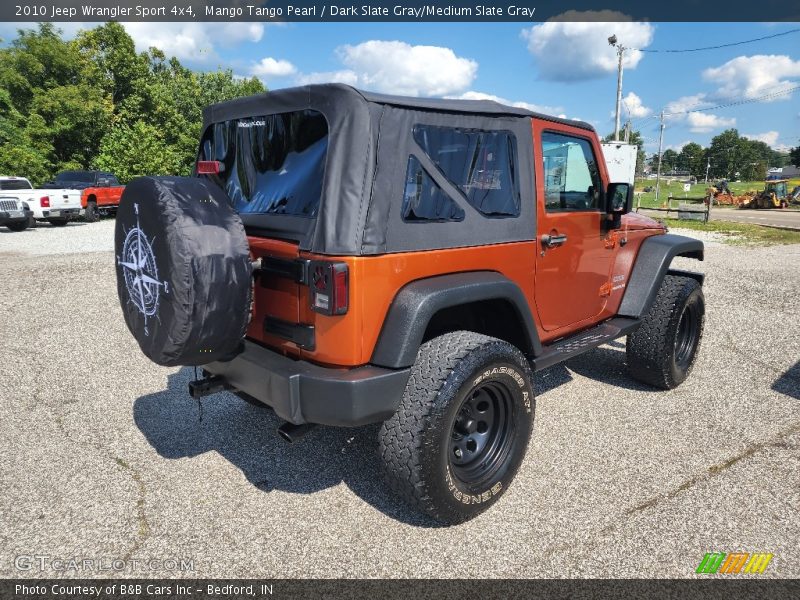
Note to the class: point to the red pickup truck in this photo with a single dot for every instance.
(100, 191)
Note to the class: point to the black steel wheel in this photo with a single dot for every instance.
(462, 428)
(663, 350)
(481, 435)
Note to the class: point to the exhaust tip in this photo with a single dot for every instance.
(290, 432)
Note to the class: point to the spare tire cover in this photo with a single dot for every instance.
(184, 273)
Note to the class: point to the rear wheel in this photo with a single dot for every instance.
(18, 226)
(663, 350)
(91, 215)
(462, 428)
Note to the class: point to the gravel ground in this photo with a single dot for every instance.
(105, 457)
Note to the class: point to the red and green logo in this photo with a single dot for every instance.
(734, 563)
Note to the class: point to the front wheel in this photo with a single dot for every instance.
(663, 350)
(462, 428)
(91, 215)
(20, 226)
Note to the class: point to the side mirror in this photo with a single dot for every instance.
(619, 201)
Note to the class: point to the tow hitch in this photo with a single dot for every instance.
(207, 385)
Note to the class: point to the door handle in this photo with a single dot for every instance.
(552, 241)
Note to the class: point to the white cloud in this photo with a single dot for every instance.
(697, 120)
(270, 67)
(400, 68)
(750, 77)
(549, 110)
(192, 41)
(677, 147)
(703, 122)
(685, 103)
(633, 107)
(770, 138)
(579, 49)
(343, 76)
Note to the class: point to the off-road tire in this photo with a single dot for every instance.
(57, 222)
(18, 226)
(663, 350)
(91, 215)
(31, 222)
(417, 444)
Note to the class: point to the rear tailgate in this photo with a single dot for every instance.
(62, 199)
(276, 297)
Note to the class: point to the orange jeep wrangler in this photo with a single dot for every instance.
(346, 257)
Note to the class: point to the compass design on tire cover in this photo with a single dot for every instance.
(139, 269)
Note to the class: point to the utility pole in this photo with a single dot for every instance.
(620, 51)
(708, 166)
(660, 145)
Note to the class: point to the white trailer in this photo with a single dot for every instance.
(620, 161)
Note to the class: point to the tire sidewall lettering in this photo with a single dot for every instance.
(522, 406)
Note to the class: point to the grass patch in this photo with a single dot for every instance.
(675, 188)
(739, 233)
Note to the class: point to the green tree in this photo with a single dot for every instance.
(691, 158)
(117, 68)
(139, 149)
(71, 104)
(669, 160)
(794, 156)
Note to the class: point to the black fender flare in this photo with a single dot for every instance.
(417, 302)
(652, 264)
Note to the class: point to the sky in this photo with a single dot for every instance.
(561, 68)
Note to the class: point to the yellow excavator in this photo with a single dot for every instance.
(774, 195)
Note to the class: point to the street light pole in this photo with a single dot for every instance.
(620, 51)
(660, 145)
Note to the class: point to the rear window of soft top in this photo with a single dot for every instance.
(272, 164)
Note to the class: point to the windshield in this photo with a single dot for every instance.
(273, 163)
(82, 176)
(14, 184)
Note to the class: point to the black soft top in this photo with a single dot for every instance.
(348, 96)
(369, 145)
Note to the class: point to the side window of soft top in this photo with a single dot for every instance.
(424, 201)
(482, 164)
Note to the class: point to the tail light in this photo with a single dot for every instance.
(209, 167)
(329, 287)
(44, 201)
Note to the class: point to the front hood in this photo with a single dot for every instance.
(633, 221)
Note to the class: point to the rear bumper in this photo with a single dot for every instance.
(301, 392)
(60, 213)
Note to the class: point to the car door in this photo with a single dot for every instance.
(574, 256)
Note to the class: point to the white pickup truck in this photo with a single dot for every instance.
(14, 212)
(54, 206)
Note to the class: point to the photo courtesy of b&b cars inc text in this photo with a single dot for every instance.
(408, 298)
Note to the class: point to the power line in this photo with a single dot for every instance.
(738, 102)
(766, 37)
(698, 107)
